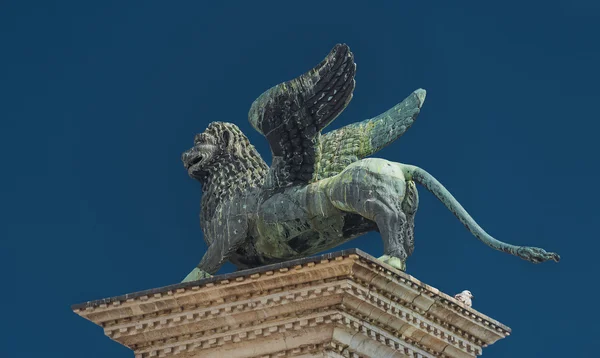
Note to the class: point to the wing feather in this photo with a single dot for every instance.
(343, 146)
(292, 114)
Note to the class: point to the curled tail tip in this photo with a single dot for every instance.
(537, 255)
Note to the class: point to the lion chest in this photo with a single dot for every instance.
(225, 222)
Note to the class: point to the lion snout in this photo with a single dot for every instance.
(186, 157)
(191, 157)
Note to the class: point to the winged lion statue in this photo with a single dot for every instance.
(321, 190)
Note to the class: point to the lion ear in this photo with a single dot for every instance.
(226, 138)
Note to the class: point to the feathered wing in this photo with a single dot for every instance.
(358, 140)
(291, 116)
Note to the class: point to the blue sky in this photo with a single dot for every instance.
(98, 100)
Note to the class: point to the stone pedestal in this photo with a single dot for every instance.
(344, 304)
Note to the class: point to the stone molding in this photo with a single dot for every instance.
(343, 304)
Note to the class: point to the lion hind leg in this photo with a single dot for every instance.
(378, 196)
(393, 227)
(410, 204)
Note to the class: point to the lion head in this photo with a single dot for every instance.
(222, 148)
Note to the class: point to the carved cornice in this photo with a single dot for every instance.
(326, 298)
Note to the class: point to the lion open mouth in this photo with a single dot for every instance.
(194, 163)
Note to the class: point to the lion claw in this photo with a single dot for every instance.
(394, 262)
(196, 275)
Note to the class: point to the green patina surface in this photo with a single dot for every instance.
(321, 189)
(355, 141)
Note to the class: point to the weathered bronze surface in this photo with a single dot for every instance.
(320, 190)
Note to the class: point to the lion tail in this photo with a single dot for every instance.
(532, 254)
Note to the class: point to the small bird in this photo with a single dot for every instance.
(465, 297)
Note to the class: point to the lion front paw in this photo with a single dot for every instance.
(394, 262)
(196, 275)
(536, 254)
